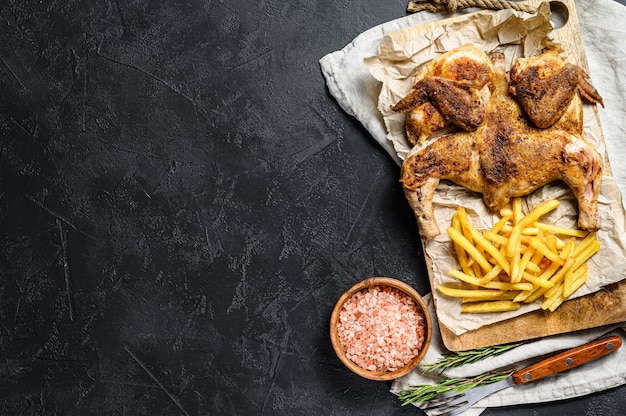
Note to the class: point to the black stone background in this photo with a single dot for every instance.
(181, 204)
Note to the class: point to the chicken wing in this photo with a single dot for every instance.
(451, 90)
(545, 85)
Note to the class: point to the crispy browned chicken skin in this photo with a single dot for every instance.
(450, 90)
(544, 86)
(506, 156)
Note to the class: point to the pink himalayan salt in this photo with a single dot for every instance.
(381, 328)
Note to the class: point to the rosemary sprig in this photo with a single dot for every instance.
(457, 359)
(423, 392)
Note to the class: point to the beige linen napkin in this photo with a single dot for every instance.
(604, 35)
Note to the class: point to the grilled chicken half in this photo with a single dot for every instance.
(506, 156)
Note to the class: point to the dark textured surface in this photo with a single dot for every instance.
(181, 204)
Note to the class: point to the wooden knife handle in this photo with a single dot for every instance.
(568, 359)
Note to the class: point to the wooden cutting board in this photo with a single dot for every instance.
(607, 306)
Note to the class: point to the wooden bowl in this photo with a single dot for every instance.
(334, 335)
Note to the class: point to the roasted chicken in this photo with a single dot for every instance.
(506, 156)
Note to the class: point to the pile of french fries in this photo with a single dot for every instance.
(519, 260)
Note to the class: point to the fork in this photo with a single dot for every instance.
(453, 403)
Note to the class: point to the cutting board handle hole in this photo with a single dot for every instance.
(560, 14)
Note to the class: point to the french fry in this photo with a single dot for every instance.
(537, 244)
(535, 261)
(531, 217)
(461, 253)
(557, 296)
(556, 303)
(568, 249)
(488, 277)
(490, 249)
(584, 243)
(579, 279)
(540, 291)
(470, 293)
(490, 307)
(568, 281)
(579, 272)
(459, 238)
(532, 267)
(537, 281)
(491, 284)
(560, 245)
(586, 254)
(508, 295)
(466, 230)
(525, 231)
(528, 254)
(525, 294)
(552, 243)
(515, 263)
(506, 212)
(558, 277)
(519, 260)
(553, 229)
(495, 237)
(501, 223)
